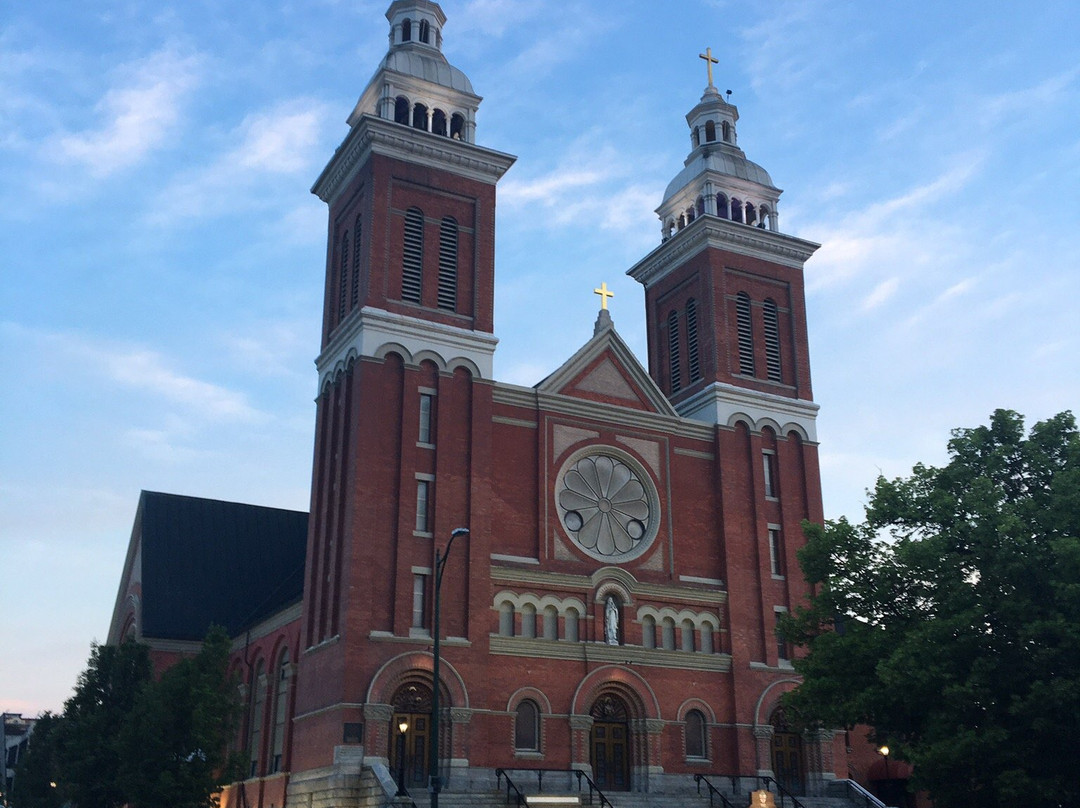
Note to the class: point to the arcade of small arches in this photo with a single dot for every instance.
(706, 133)
(422, 31)
(344, 366)
(424, 116)
(529, 616)
(723, 206)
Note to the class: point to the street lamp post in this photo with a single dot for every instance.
(403, 727)
(433, 761)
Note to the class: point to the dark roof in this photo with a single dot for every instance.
(205, 561)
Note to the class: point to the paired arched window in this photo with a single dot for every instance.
(527, 726)
(425, 32)
(673, 351)
(772, 340)
(694, 726)
(281, 698)
(448, 262)
(413, 255)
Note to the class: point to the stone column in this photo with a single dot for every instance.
(763, 736)
(580, 729)
(377, 730)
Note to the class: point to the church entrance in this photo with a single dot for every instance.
(787, 754)
(609, 748)
(409, 750)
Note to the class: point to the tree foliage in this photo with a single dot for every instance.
(127, 739)
(950, 619)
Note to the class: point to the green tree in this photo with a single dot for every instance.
(88, 751)
(949, 620)
(176, 739)
(37, 773)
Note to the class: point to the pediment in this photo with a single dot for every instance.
(605, 370)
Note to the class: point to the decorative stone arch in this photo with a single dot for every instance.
(768, 423)
(465, 364)
(707, 713)
(797, 430)
(737, 418)
(643, 713)
(427, 355)
(533, 693)
(388, 348)
(694, 703)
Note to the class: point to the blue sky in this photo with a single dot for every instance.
(161, 257)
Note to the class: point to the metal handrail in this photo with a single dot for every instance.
(519, 795)
(699, 779)
(592, 787)
(764, 780)
(869, 800)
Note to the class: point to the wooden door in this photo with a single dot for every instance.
(414, 747)
(611, 755)
(787, 761)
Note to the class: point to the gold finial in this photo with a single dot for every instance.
(710, 60)
(604, 295)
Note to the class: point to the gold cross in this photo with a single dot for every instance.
(710, 60)
(604, 294)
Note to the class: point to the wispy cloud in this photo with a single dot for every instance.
(281, 141)
(136, 116)
(881, 293)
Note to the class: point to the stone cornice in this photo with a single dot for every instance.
(713, 232)
(613, 654)
(554, 403)
(372, 135)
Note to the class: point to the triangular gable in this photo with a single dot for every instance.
(605, 370)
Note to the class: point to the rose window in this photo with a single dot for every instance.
(607, 506)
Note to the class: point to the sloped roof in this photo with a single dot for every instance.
(206, 561)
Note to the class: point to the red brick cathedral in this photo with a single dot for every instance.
(623, 539)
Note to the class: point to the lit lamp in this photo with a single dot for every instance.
(433, 746)
(884, 752)
(403, 726)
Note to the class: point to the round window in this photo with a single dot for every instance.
(607, 504)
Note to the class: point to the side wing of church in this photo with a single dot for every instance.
(624, 538)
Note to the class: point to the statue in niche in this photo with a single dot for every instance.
(611, 621)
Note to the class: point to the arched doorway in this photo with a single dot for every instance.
(609, 743)
(788, 764)
(409, 751)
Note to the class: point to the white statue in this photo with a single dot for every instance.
(611, 621)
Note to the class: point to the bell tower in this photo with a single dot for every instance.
(724, 292)
(410, 253)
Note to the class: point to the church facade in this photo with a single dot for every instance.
(617, 541)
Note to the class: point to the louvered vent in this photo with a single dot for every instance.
(355, 296)
(692, 362)
(343, 277)
(746, 334)
(772, 341)
(448, 243)
(673, 351)
(413, 258)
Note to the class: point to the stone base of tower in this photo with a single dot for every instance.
(346, 784)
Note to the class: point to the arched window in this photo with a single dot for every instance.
(668, 631)
(419, 116)
(281, 698)
(648, 631)
(401, 110)
(528, 620)
(527, 726)
(688, 635)
(736, 210)
(438, 122)
(673, 351)
(413, 255)
(696, 137)
(506, 619)
(746, 334)
(722, 206)
(457, 126)
(692, 361)
(725, 129)
(354, 295)
(710, 131)
(751, 213)
(551, 623)
(690, 214)
(764, 217)
(448, 254)
(406, 30)
(425, 32)
(255, 719)
(700, 205)
(343, 277)
(706, 639)
(772, 340)
(695, 734)
(571, 628)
